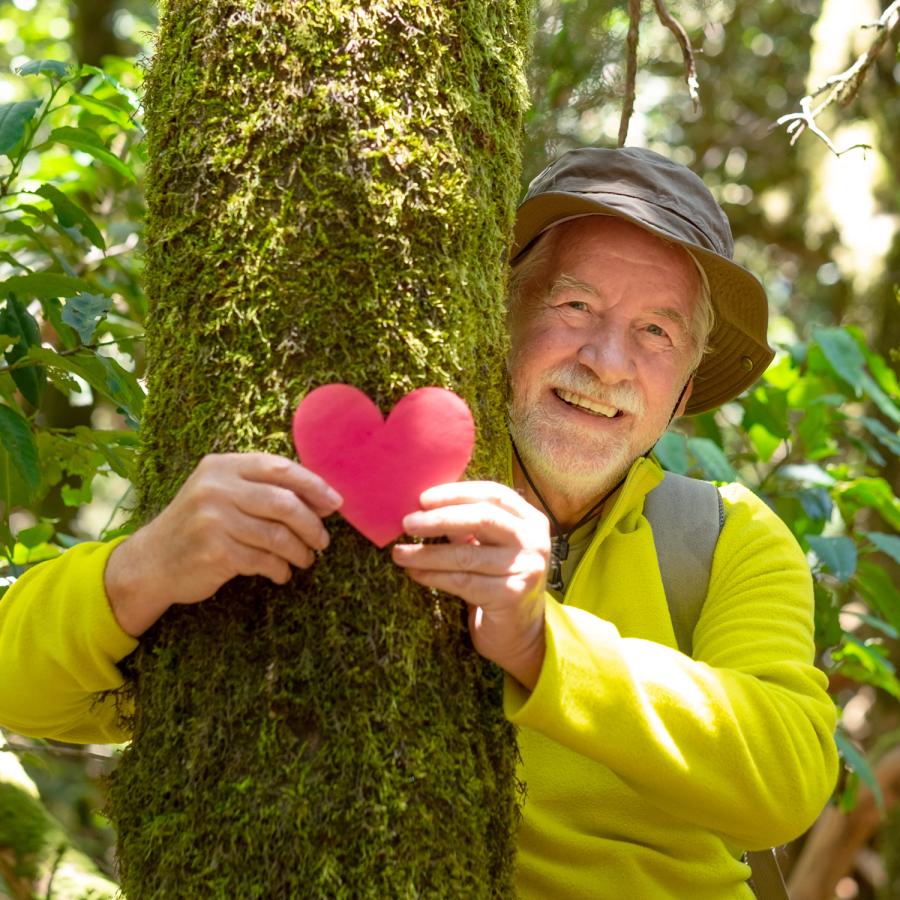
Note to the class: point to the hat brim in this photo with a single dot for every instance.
(739, 352)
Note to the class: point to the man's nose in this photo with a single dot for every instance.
(607, 354)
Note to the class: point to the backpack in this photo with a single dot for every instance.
(685, 543)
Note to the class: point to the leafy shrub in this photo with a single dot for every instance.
(813, 439)
(71, 307)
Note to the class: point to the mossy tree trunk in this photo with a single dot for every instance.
(331, 190)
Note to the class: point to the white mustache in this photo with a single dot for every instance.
(578, 381)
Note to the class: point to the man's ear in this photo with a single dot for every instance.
(685, 396)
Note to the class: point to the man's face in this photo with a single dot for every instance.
(600, 349)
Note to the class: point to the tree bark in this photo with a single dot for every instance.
(330, 192)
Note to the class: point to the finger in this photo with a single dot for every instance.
(475, 558)
(486, 521)
(281, 505)
(247, 560)
(284, 472)
(274, 538)
(477, 590)
(458, 492)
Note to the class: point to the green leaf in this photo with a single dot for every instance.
(767, 407)
(886, 543)
(867, 662)
(873, 622)
(882, 434)
(806, 474)
(859, 764)
(133, 100)
(70, 215)
(872, 493)
(103, 374)
(764, 442)
(13, 119)
(879, 591)
(88, 142)
(43, 285)
(843, 355)
(15, 320)
(848, 361)
(84, 312)
(837, 554)
(8, 340)
(816, 504)
(9, 258)
(108, 111)
(712, 460)
(19, 443)
(879, 398)
(80, 496)
(671, 451)
(25, 556)
(37, 534)
(814, 430)
(882, 372)
(53, 68)
(21, 228)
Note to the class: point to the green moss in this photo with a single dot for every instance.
(331, 191)
(24, 829)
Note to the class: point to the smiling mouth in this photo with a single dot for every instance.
(593, 407)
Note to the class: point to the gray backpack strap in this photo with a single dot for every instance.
(686, 516)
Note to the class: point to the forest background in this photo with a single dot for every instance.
(818, 439)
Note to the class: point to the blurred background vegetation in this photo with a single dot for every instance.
(818, 439)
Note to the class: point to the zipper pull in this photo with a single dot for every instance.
(559, 550)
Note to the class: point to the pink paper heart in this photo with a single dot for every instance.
(381, 466)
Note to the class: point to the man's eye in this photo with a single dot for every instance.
(578, 305)
(657, 331)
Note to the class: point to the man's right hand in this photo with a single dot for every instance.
(237, 514)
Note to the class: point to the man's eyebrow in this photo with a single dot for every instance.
(567, 282)
(673, 315)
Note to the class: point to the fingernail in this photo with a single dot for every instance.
(324, 540)
(334, 497)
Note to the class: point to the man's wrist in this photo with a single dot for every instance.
(133, 606)
(526, 665)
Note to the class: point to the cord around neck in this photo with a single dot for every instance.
(560, 545)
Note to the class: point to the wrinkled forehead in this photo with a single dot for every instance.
(610, 236)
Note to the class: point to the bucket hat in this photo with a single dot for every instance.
(670, 201)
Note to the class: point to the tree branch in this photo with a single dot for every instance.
(841, 88)
(687, 51)
(634, 16)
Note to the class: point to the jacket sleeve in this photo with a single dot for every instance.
(59, 646)
(738, 739)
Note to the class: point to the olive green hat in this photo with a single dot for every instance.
(671, 202)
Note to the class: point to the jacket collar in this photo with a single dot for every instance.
(644, 475)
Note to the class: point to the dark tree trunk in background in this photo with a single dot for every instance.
(330, 196)
(93, 36)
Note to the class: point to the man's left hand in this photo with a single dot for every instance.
(496, 560)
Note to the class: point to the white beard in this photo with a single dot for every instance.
(577, 464)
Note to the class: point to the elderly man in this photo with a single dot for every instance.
(649, 771)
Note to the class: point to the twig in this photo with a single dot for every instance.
(634, 16)
(60, 853)
(687, 51)
(24, 749)
(841, 88)
(806, 118)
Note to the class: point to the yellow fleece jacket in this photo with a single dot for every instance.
(647, 772)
